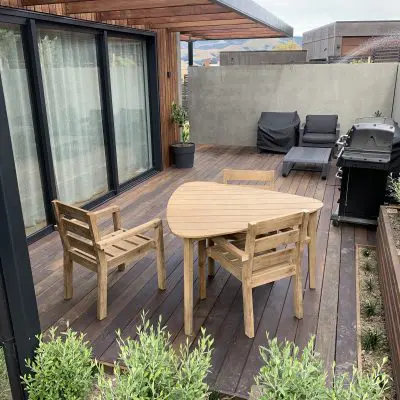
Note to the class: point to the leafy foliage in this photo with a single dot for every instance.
(155, 371)
(287, 375)
(5, 392)
(179, 116)
(394, 188)
(62, 368)
(372, 386)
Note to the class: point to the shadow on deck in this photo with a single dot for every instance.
(329, 311)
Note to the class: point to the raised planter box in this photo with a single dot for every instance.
(389, 272)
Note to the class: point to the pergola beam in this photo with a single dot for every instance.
(224, 28)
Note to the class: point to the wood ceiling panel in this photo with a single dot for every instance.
(107, 5)
(164, 12)
(158, 21)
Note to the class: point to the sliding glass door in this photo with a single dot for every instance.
(17, 96)
(70, 72)
(129, 88)
(81, 109)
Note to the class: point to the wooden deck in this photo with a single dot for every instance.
(329, 311)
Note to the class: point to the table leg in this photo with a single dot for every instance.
(312, 248)
(202, 269)
(188, 285)
(211, 262)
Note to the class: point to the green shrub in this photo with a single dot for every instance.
(369, 266)
(371, 339)
(370, 308)
(62, 368)
(286, 375)
(289, 375)
(372, 386)
(155, 371)
(369, 285)
(5, 392)
(394, 188)
(366, 252)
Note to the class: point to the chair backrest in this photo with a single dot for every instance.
(237, 175)
(277, 241)
(321, 124)
(77, 228)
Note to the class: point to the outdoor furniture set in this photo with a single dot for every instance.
(305, 145)
(254, 232)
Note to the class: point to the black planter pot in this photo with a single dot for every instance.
(183, 154)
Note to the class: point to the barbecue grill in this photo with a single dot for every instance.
(364, 163)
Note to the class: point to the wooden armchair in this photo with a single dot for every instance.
(83, 244)
(267, 177)
(272, 250)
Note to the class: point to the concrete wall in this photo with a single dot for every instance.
(396, 103)
(262, 57)
(225, 103)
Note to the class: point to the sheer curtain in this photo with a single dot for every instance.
(128, 69)
(72, 93)
(17, 96)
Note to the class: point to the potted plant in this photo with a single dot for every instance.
(183, 151)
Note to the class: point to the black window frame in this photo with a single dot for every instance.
(29, 22)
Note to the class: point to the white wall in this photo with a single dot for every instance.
(225, 103)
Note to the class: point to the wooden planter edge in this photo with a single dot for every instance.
(389, 274)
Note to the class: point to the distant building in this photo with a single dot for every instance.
(342, 38)
(263, 57)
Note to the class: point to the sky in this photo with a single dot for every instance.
(309, 14)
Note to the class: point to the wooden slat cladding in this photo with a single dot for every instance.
(168, 88)
(389, 272)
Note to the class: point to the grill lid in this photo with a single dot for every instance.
(369, 144)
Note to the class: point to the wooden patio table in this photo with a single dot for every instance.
(202, 210)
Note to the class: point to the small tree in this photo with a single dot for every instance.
(179, 116)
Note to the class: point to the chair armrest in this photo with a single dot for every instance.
(231, 248)
(301, 133)
(105, 211)
(102, 244)
(338, 130)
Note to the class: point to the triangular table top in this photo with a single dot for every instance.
(199, 210)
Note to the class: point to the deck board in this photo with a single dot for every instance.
(329, 310)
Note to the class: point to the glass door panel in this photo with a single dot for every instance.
(128, 69)
(70, 72)
(18, 104)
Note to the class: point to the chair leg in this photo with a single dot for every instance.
(248, 309)
(68, 277)
(161, 273)
(298, 296)
(202, 269)
(102, 291)
(121, 267)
